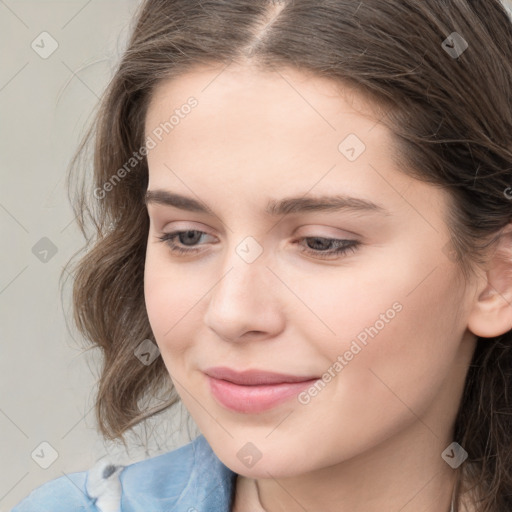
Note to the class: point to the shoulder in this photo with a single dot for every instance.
(190, 478)
(60, 495)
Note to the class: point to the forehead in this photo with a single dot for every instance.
(254, 136)
(286, 96)
(244, 112)
(255, 133)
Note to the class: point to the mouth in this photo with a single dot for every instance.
(254, 391)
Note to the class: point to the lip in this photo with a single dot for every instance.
(254, 391)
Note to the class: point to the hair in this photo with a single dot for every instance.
(451, 118)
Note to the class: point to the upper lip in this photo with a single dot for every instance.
(254, 377)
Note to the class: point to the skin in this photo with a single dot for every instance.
(372, 439)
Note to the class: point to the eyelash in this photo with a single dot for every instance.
(344, 246)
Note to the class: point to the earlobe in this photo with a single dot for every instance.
(491, 314)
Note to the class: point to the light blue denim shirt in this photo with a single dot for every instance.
(189, 479)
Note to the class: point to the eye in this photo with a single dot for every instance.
(327, 247)
(188, 238)
(186, 241)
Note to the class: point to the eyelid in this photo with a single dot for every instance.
(320, 233)
(183, 225)
(340, 234)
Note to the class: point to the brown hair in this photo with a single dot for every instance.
(451, 114)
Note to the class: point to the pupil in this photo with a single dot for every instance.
(320, 243)
(191, 236)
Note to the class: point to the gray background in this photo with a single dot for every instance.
(47, 380)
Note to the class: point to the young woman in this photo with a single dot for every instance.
(302, 220)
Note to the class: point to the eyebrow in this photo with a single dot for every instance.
(286, 206)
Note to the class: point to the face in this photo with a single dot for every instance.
(357, 299)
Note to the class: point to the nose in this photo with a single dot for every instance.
(244, 304)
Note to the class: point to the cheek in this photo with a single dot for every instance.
(380, 376)
(396, 320)
(170, 297)
(399, 346)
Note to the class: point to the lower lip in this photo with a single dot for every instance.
(254, 399)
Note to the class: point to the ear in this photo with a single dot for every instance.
(491, 314)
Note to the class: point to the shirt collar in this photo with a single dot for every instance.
(191, 478)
